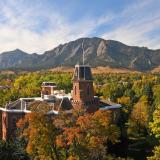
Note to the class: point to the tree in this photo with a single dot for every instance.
(126, 102)
(87, 138)
(156, 95)
(112, 91)
(139, 115)
(155, 125)
(40, 132)
(11, 151)
(155, 128)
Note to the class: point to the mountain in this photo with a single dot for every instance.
(17, 58)
(98, 52)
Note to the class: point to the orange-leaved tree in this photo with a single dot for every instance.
(39, 131)
(87, 138)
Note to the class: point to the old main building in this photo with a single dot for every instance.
(82, 96)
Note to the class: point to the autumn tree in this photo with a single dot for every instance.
(139, 115)
(87, 138)
(12, 151)
(40, 132)
(156, 95)
(125, 102)
(155, 128)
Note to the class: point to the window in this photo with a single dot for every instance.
(88, 90)
(47, 93)
(14, 120)
(75, 90)
(76, 72)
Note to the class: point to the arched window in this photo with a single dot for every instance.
(76, 72)
(75, 90)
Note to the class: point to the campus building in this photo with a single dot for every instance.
(81, 97)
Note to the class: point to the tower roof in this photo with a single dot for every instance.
(82, 72)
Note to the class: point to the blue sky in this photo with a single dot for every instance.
(40, 25)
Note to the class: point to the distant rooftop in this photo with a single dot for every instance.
(48, 84)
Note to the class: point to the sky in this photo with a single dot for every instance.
(35, 26)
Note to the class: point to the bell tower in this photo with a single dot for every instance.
(83, 92)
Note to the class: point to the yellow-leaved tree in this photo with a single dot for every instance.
(155, 128)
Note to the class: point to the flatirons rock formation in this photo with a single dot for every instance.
(98, 52)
